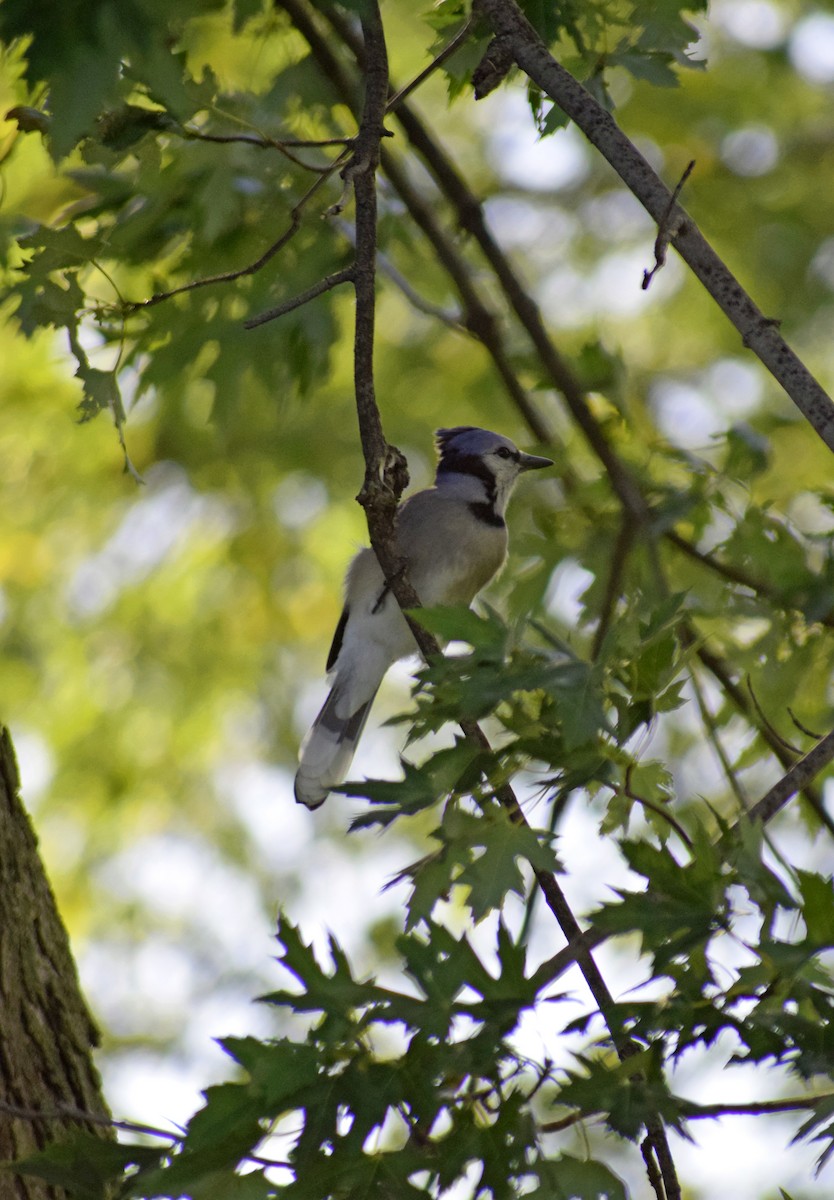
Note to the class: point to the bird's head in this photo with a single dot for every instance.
(495, 460)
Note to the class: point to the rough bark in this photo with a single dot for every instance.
(46, 1031)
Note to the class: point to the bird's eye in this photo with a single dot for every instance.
(503, 452)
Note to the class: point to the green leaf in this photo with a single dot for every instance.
(653, 67)
(457, 623)
(569, 1178)
(817, 907)
(495, 872)
(747, 452)
(86, 1165)
(101, 393)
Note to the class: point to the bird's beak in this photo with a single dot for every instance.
(532, 462)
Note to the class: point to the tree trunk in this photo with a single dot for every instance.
(47, 1076)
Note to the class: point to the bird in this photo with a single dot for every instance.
(453, 540)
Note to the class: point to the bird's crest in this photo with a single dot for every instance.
(445, 437)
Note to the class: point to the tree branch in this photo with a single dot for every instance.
(734, 574)
(287, 306)
(794, 780)
(380, 514)
(253, 268)
(81, 1116)
(701, 1112)
(759, 333)
(721, 671)
(438, 60)
(261, 142)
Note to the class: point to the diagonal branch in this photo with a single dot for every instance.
(758, 333)
(794, 780)
(327, 284)
(739, 575)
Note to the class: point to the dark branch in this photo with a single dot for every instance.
(261, 142)
(446, 53)
(80, 1116)
(722, 672)
(318, 289)
(794, 780)
(702, 1112)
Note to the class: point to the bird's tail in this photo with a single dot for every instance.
(327, 751)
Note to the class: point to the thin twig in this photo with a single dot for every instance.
(670, 226)
(287, 306)
(722, 672)
(447, 52)
(754, 1108)
(802, 728)
(68, 1112)
(478, 319)
(562, 1123)
(738, 575)
(252, 268)
(711, 727)
(450, 317)
(266, 143)
(648, 1151)
(702, 1112)
(470, 216)
(262, 143)
(658, 809)
(775, 734)
(622, 548)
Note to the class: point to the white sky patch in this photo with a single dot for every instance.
(157, 1089)
(567, 583)
(183, 878)
(735, 386)
(519, 222)
(521, 157)
(811, 47)
(750, 151)
(822, 264)
(691, 412)
(754, 23)
(298, 499)
(683, 413)
(617, 216)
(610, 288)
(152, 528)
(35, 764)
(262, 796)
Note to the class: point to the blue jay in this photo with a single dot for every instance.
(453, 538)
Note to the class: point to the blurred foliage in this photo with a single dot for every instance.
(158, 636)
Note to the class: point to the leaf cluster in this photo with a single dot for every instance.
(390, 1092)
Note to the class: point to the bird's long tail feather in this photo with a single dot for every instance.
(327, 751)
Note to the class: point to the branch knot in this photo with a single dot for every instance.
(494, 67)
